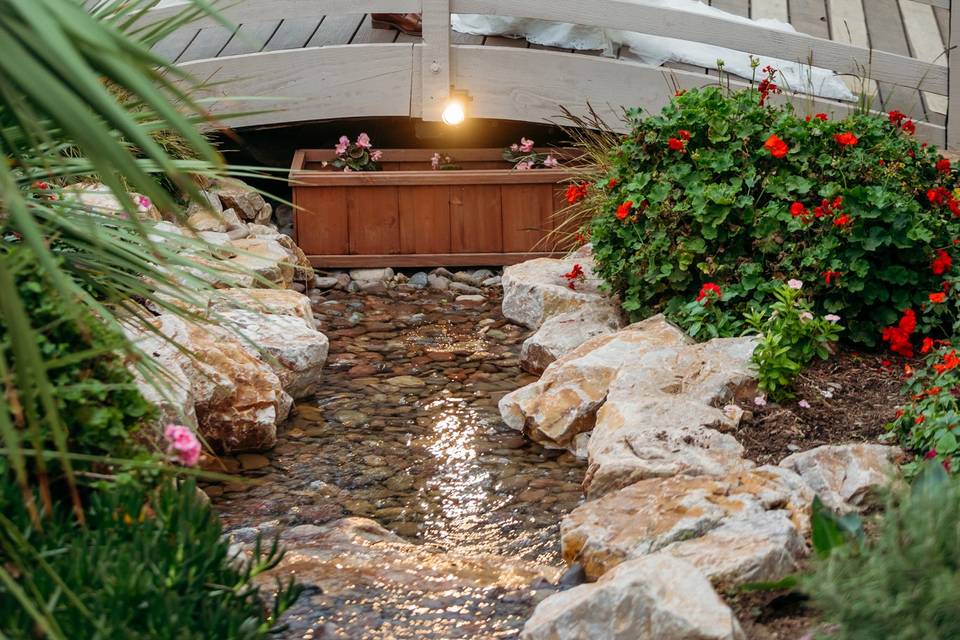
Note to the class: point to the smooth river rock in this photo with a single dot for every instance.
(656, 597)
(536, 290)
(846, 476)
(748, 526)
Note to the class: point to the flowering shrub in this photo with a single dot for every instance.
(524, 158)
(356, 156)
(791, 336)
(732, 190)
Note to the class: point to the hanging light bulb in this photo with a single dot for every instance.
(455, 111)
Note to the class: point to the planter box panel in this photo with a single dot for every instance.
(374, 215)
(476, 219)
(424, 220)
(527, 216)
(322, 221)
(410, 215)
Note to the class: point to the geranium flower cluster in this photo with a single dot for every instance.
(575, 275)
(709, 292)
(577, 192)
(679, 143)
(900, 120)
(767, 86)
(899, 335)
(940, 196)
(777, 147)
(831, 209)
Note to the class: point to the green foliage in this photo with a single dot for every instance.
(146, 567)
(703, 192)
(905, 583)
(791, 336)
(356, 156)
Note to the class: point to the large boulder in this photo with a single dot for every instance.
(169, 389)
(562, 333)
(656, 597)
(536, 290)
(564, 402)
(284, 302)
(846, 476)
(243, 199)
(748, 526)
(238, 398)
(290, 345)
(661, 415)
(266, 258)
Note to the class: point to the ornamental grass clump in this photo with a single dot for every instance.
(904, 583)
(731, 189)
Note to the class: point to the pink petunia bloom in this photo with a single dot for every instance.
(832, 317)
(342, 146)
(806, 316)
(526, 146)
(795, 284)
(550, 162)
(363, 140)
(182, 444)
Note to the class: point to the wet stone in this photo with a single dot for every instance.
(405, 430)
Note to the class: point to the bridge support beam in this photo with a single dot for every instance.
(436, 72)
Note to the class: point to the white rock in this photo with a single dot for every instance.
(743, 527)
(283, 302)
(372, 275)
(471, 299)
(438, 282)
(657, 597)
(535, 290)
(562, 333)
(846, 476)
(266, 258)
(170, 389)
(290, 346)
(98, 198)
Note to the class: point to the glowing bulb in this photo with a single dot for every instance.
(453, 113)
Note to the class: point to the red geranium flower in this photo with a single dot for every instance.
(684, 134)
(909, 127)
(777, 147)
(846, 139)
(950, 362)
(927, 345)
(797, 210)
(820, 116)
(612, 183)
(575, 274)
(938, 195)
(896, 117)
(842, 220)
(624, 209)
(942, 263)
(938, 298)
(576, 192)
(829, 276)
(899, 335)
(943, 165)
(707, 291)
(676, 144)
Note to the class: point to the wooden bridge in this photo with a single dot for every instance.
(301, 60)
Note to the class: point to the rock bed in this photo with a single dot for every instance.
(406, 431)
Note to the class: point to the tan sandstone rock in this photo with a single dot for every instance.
(662, 415)
(845, 476)
(284, 302)
(656, 597)
(288, 344)
(536, 290)
(97, 198)
(564, 402)
(266, 258)
(744, 527)
(562, 333)
(238, 398)
(242, 198)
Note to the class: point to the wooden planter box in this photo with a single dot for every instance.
(409, 215)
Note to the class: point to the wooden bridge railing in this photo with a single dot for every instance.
(528, 84)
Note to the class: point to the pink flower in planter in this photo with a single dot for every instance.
(526, 146)
(363, 140)
(435, 161)
(376, 155)
(523, 166)
(550, 162)
(342, 146)
(514, 147)
(182, 444)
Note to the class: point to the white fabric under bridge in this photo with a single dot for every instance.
(656, 50)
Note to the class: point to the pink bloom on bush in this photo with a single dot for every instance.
(143, 203)
(832, 317)
(363, 140)
(183, 444)
(342, 146)
(793, 283)
(806, 316)
(526, 146)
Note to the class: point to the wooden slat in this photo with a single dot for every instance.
(769, 9)
(810, 17)
(311, 84)
(292, 34)
(321, 222)
(335, 30)
(925, 43)
(172, 46)
(953, 110)
(242, 11)
(374, 220)
(627, 16)
(250, 38)
(526, 211)
(434, 260)
(886, 31)
(736, 7)
(208, 44)
(849, 25)
(424, 219)
(475, 219)
(366, 34)
(435, 69)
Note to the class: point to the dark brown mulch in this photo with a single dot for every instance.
(775, 615)
(851, 397)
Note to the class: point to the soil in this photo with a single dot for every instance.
(851, 397)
